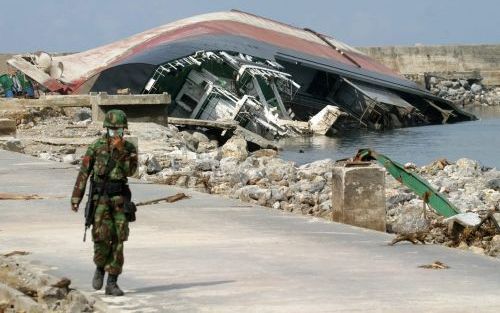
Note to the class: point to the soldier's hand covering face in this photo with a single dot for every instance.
(116, 136)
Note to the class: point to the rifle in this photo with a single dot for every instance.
(89, 208)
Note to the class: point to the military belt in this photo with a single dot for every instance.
(112, 188)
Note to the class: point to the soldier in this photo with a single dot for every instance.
(109, 160)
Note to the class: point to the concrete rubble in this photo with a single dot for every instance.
(25, 287)
(464, 90)
(192, 159)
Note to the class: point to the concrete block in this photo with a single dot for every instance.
(139, 108)
(358, 194)
(7, 127)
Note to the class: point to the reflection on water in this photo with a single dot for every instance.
(479, 140)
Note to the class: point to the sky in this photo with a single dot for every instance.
(77, 25)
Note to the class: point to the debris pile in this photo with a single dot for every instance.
(464, 91)
(206, 162)
(468, 185)
(25, 287)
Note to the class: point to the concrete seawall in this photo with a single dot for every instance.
(3, 62)
(441, 59)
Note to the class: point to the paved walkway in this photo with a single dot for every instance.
(207, 254)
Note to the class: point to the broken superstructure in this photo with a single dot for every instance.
(271, 78)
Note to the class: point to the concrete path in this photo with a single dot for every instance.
(208, 254)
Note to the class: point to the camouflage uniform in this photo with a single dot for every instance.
(110, 228)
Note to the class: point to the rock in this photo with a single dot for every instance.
(396, 197)
(452, 92)
(69, 150)
(235, 147)
(152, 165)
(316, 185)
(206, 165)
(229, 165)
(476, 88)
(276, 205)
(13, 145)
(495, 245)
(82, 115)
(78, 303)
(200, 137)
(48, 156)
(84, 122)
(494, 184)
(311, 170)
(191, 142)
(463, 246)
(182, 181)
(433, 80)
(279, 193)
(279, 170)
(476, 250)
(50, 294)
(464, 83)
(206, 146)
(270, 153)
(467, 167)
(70, 158)
(249, 193)
(447, 83)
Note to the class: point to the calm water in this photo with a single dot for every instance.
(478, 140)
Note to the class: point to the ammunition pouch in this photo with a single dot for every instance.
(129, 209)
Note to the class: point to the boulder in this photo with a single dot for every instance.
(494, 184)
(68, 150)
(205, 165)
(82, 115)
(235, 147)
(495, 245)
(70, 158)
(200, 137)
(153, 166)
(270, 153)
(13, 145)
(249, 193)
(190, 141)
(476, 88)
(206, 146)
(229, 165)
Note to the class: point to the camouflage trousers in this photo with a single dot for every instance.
(109, 232)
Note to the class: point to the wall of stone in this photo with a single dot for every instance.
(3, 62)
(441, 59)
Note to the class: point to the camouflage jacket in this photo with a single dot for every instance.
(94, 161)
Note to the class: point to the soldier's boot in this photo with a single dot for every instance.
(98, 279)
(112, 288)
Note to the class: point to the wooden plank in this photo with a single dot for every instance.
(202, 123)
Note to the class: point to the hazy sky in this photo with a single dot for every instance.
(64, 25)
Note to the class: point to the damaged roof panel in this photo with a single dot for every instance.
(318, 63)
(79, 67)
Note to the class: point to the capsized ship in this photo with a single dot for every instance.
(270, 77)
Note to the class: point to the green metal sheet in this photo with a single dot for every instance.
(413, 181)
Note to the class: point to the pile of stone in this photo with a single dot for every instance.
(25, 287)
(191, 159)
(464, 91)
(467, 185)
